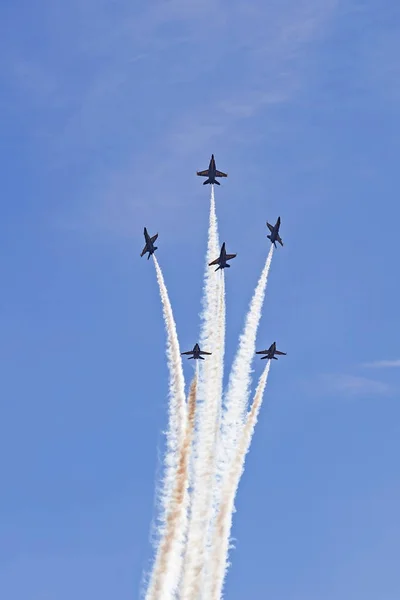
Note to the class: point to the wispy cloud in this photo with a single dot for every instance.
(382, 364)
(253, 60)
(352, 386)
(151, 73)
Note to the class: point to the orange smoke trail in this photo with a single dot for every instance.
(176, 521)
(177, 421)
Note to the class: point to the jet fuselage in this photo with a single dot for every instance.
(149, 246)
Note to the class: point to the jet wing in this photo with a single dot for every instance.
(278, 239)
(214, 262)
(153, 239)
(220, 174)
(262, 352)
(270, 227)
(188, 352)
(229, 256)
(208, 353)
(279, 352)
(203, 173)
(144, 250)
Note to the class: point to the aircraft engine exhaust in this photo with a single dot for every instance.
(209, 433)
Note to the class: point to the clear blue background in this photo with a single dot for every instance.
(108, 108)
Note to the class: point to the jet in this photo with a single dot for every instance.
(270, 353)
(149, 247)
(196, 352)
(211, 173)
(274, 229)
(222, 259)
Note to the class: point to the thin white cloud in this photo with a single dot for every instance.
(128, 65)
(353, 386)
(382, 364)
(272, 41)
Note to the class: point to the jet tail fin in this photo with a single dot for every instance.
(150, 253)
(206, 181)
(200, 357)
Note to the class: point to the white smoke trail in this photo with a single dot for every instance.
(240, 378)
(176, 521)
(219, 361)
(219, 560)
(212, 339)
(175, 437)
(215, 412)
(235, 405)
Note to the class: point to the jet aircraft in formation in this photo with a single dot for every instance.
(196, 353)
(270, 353)
(211, 173)
(222, 259)
(274, 229)
(149, 246)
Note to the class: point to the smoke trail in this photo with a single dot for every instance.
(176, 521)
(212, 338)
(240, 377)
(236, 403)
(175, 437)
(215, 424)
(224, 521)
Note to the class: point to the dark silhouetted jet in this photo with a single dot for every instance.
(270, 353)
(149, 247)
(196, 352)
(211, 173)
(274, 229)
(222, 259)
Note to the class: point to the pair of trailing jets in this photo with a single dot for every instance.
(222, 261)
(270, 353)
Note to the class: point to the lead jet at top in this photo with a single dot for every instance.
(149, 246)
(274, 229)
(211, 173)
(222, 259)
(270, 353)
(196, 352)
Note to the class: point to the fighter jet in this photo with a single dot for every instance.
(274, 229)
(222, 259)
(196, 352)
(270, 353)
(211, 173)
(149, 247)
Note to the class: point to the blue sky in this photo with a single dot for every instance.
(108, 109)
